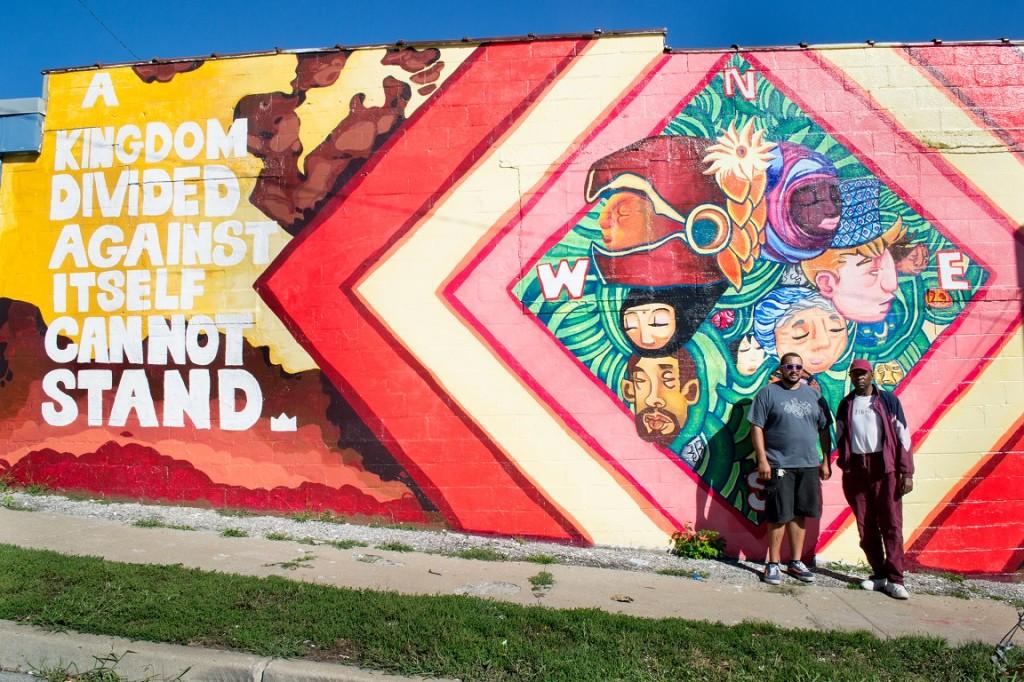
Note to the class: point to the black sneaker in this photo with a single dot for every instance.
(800, 572)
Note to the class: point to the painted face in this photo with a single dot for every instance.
(649, 326)
(815, 208)
(889, 373)
(818, 335)
(749, 356)
(864, 287)
(660, 399)
(626, 221)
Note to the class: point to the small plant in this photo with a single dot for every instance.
(298, 562)
(695, 574)
(8, 502)
(542, 583)
(697, 544)
(345, 544)
(236, 513)
(541, 559)
(480, 554)
(151, 522)
(234, 533)
(180, 526)
(36, 489)
(278, 536)
(396, 547)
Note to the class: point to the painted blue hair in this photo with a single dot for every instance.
(779, 305)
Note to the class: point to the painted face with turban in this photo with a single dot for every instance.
(803, 204)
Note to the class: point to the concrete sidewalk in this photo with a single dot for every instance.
(794, 605)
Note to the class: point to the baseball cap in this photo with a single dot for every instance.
(860, 364)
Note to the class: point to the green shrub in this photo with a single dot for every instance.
(697, 544)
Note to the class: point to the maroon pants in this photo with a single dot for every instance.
(874, 497)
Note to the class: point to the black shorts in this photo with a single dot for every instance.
(791, 493)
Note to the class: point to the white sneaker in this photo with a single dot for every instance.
(896, 591)
(874, 584)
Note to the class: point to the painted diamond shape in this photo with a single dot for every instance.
(739, 230)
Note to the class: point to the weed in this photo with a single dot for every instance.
(697, 544)
(151, 522)
(345, 544)
(541, 559)
(36, 489)
(234, 513)
(542, 579)
(480, 554)
(299, 562)
(278, 536)
(396, 546)
(694, 573)
(180, 526)
(234, 533)
(8, 502)
(103, 671)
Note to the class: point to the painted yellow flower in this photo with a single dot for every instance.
(738, 161)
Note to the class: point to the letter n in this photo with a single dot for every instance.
(571, 278)
(746, 83)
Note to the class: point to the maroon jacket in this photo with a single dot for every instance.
(895, 436)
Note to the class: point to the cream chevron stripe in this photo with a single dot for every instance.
(938, 122)
(973, 426)
(562, 468)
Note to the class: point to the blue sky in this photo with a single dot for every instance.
(44, 34)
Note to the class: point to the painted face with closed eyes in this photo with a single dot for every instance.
(819, 335)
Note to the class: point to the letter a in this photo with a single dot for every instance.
(101, 86)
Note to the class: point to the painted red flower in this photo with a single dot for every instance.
(723, 319)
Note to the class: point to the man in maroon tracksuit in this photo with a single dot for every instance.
(878, 470)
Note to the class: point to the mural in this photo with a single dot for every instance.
(525, 287)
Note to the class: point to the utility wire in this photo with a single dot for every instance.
(107, 29)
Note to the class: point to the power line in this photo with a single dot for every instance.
(107, 29)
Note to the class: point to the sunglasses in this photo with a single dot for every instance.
(792, 367)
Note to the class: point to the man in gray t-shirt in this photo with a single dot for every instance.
(788, 422)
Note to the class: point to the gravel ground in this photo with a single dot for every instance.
(832, 575)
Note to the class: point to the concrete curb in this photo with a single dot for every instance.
(24, 648)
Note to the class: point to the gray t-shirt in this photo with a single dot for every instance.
(791, 420)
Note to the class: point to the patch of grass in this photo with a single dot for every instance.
(234, 513)
(8, 502)
(396, 546)
(234, 533)
(480, 554)
(277, 536)
(345, 544)
(541, 559)
(151, 522)
(36, 489)
(542, 579)
(299, 562)
(951, 577)
(693, 573)
(480, 639)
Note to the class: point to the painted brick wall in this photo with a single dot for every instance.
(523, 287)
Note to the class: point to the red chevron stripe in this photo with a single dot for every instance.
(981, 529)
(987, 81)
(309, 287)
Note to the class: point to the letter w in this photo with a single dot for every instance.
(571, 278)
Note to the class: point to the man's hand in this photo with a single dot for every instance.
(906, 485)
(825, 471)
(764, 469)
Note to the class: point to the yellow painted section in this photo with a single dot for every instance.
(533, 439)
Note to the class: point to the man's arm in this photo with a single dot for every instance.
(764, 469)
(905, 459)
(825, 440)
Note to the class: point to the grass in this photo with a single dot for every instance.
(396, 546)
(234, 513)
(448, 636)
(542, 579)
(480, 554)
(154, 522)
(234, 533)
(277, 536)
(541, 559)
(345, 544)
(8, 502)
(694, 573)
(298, 562)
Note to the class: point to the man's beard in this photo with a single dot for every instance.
(658, 418)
